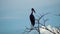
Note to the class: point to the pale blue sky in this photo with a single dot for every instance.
(14, 14)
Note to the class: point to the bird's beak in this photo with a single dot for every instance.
(33, 10)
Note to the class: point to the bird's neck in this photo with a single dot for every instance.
(32, 12)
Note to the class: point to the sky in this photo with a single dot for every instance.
(14, 14)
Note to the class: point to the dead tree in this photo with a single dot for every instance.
(39, 23)
(38, 27)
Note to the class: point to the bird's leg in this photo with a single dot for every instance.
(32, 27)
(36, 21)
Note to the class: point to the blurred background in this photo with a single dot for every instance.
(14, 14)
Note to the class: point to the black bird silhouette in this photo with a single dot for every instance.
(32, 18)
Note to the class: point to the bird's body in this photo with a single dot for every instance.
(32, 18)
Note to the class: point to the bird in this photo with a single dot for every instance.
(32, 18)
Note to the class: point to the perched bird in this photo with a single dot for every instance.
(32, 18)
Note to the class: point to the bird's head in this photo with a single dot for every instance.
(33, 10)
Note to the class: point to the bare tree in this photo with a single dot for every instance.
(38, 27)
(44, 24)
